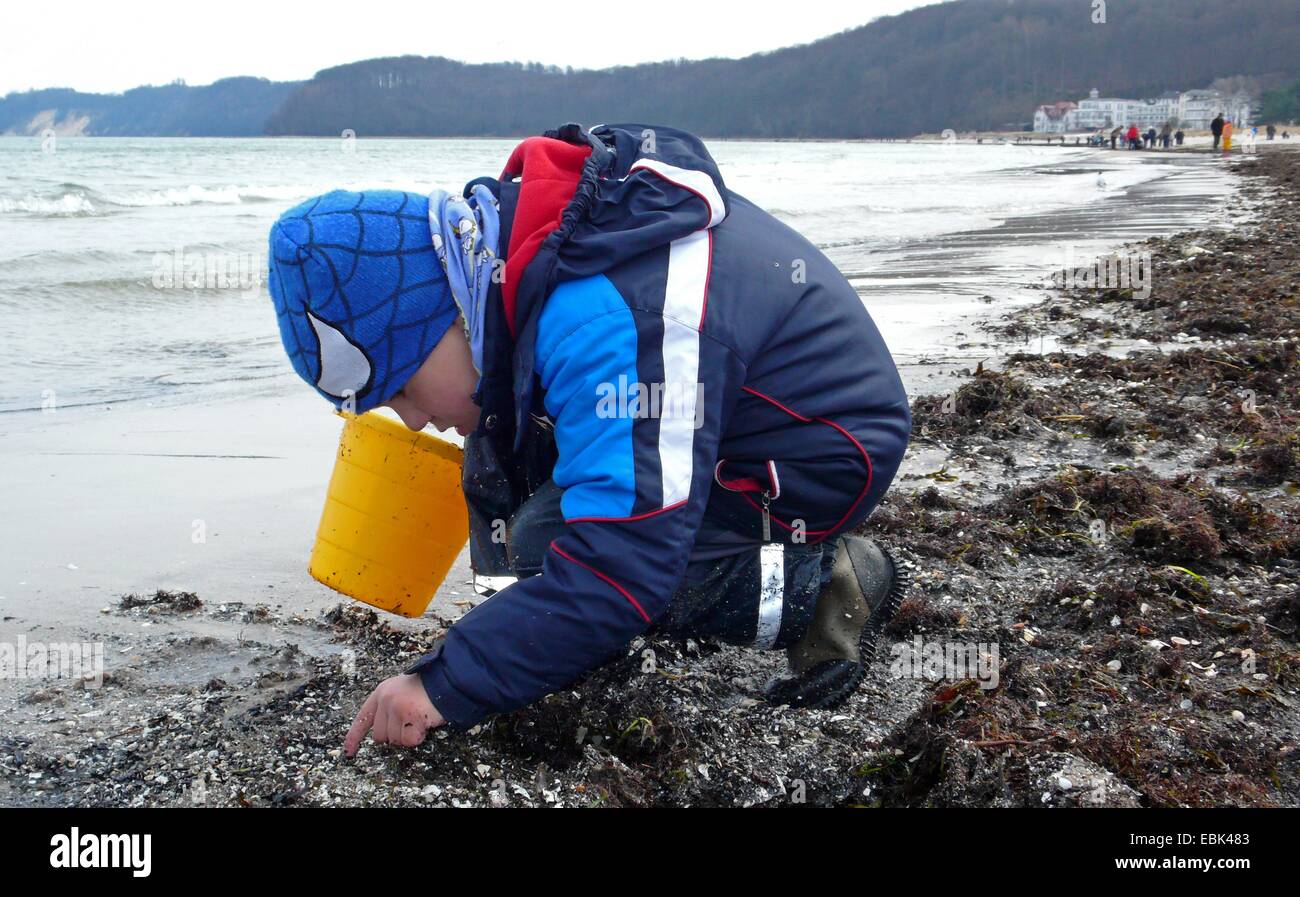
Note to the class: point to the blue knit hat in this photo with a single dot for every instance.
(360, 295)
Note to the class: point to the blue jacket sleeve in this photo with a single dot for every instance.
(639, 401)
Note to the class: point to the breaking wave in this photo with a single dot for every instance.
(74, 200)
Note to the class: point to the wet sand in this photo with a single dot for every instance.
(1138, 552)
(243, 699)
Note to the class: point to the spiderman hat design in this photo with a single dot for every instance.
(359, 292)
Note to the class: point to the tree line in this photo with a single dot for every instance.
(965, 65)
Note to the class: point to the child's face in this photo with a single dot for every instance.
(440, 392)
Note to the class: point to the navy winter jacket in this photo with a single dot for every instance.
(664, 350)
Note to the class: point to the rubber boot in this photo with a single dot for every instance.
(830, 661)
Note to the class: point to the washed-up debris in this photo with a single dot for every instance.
(161, 600)
(1119, 535)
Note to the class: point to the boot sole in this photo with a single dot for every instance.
(879, 619)
(867, 641)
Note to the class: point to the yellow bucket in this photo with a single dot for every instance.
(394, 517)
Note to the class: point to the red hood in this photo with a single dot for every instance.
(550, 170)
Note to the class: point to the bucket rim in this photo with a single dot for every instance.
(391, 429)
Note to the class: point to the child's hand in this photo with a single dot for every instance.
(398, 711)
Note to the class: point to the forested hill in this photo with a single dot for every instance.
(231, 107)
(964, 65)
(969, 64)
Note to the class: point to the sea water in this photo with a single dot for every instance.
(133, 270)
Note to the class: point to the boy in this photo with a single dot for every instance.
(674, 408)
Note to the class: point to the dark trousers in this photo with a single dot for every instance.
(721, 595)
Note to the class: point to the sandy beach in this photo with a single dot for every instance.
(1087, 497)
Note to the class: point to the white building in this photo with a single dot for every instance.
(1053, 118)
(1097, 112)
(1191, 110)
(1196, 109)
(1156, 112)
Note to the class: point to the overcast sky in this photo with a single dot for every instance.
(103, 46)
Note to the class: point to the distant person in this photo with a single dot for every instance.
(1227, 136)
(1270, 131)
(638, 520)
(1216, 129)
(1178, 136)
(1114, 137)
(1150, 138)
(1166, 134)
(1133, 137)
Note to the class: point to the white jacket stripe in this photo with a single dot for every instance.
(684, 297)
(695, 181)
